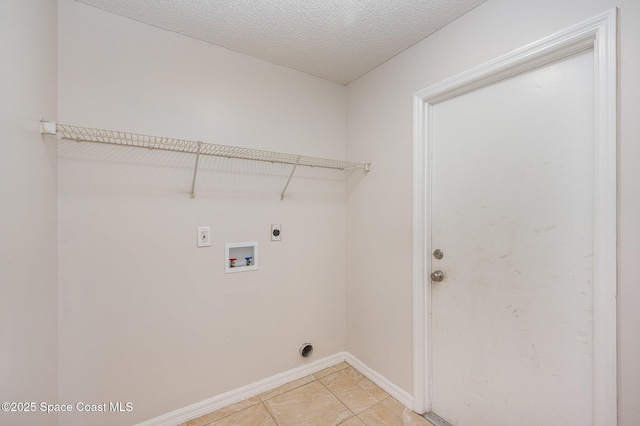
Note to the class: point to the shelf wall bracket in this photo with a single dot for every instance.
(289, 180)
(48, 127)
(195, 172)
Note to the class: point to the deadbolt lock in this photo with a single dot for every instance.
(438, 254)
(437, 276)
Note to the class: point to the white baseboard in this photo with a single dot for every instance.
(201, 408)
(389, 387)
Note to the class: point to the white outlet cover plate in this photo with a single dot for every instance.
(274, 228)
(204, 236)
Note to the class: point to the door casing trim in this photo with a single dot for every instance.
(598, 34)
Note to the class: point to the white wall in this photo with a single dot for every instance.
(146, 316)
(28, 222)
(379, 214)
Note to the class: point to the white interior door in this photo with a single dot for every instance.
(512, 211)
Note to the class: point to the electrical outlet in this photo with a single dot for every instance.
(204, 236)
(275, 232)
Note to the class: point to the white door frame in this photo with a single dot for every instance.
(599, 34)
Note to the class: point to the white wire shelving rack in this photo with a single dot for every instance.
(114, 137)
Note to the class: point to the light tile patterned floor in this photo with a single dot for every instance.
(337, 395)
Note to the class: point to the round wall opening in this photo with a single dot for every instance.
(306, 350)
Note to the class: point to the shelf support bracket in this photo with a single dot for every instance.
(48, 127)
(195, 172)
(289, 180)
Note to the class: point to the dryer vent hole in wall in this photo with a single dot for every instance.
(306, 350)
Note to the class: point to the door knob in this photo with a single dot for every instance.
(437, 276)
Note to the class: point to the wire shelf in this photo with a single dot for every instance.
(87, 134)
(114, 137)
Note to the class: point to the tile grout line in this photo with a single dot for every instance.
(337, 397)
(367, 409)
(289, 390)
(318, 379)
(275, 396)
(343, 403)
(314, 379)
(268, 411)
(231, 414)
(261, 401)
(347, 365)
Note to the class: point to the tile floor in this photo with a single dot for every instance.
(337, 395)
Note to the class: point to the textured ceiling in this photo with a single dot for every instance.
(337, 40)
